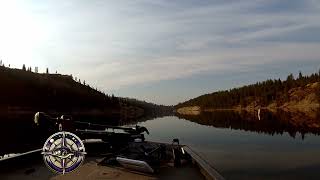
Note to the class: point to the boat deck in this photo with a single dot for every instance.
(91, 170)
(31, 166)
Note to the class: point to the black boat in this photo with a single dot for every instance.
(112, 152)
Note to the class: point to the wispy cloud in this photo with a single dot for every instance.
(220, 61)
(121, 43)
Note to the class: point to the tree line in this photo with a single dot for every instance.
(262, 93)
(24, 88)
(150, 109)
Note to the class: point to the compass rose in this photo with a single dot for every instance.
(63, 152)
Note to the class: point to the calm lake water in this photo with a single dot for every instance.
(239, 146)
(247, 150)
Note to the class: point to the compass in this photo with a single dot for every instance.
(63, 152)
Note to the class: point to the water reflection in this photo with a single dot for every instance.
(269, 123)
(240, 153)
(239, 145)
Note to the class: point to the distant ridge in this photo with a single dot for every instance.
(26, 92)
(293, 94)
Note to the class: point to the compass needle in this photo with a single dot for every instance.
(63, 166)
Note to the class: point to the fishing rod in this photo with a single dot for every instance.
(87, 130)
(40, 117)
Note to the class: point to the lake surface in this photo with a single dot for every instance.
(252, 150)
(238, 145)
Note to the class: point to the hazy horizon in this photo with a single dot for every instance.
(163, 51)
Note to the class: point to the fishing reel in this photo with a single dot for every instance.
(62, 123)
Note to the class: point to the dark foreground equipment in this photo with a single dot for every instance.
(117, 153)
(85, 130)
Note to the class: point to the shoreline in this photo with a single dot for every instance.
(287, 107)
(304, 99)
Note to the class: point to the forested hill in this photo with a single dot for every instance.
(27, 91)
(269, 93)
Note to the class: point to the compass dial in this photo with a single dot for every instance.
(63, 152)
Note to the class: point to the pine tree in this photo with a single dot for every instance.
(300, 79)
(300, 76)
(47, 70)
(290, 81)
(24, 67)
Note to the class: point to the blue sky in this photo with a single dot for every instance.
(163, 51)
